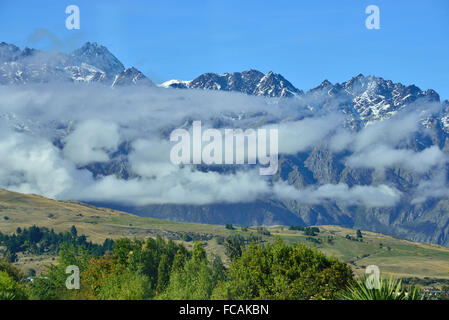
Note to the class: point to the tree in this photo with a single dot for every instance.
(179, 260)
(51, 286)
(163, 273)
(234, 246)
(218, 269)
(280, 271)
(11, 256)
(73, 232)
(359, 234)
(95, 274)
(198, 253)
(125, 286)
(194, 282)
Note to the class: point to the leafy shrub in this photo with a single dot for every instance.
(263, 231)
(220, 240)
(185, 237)
(10, 289)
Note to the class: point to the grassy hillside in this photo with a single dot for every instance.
(399, 257)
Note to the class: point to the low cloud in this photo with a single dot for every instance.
(50, 133)
(90, 142)
(368, 196)
(301, 135)
(435, 187)
(381, 157)
(181, 187)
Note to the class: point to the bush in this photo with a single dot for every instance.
(12, 271)
(263, 231)
(31, 272)
(10, 289)
(220, 240)
(310, 231)
(185, 237)
(314, 240)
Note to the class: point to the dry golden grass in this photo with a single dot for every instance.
(398, 257)
(25, 210)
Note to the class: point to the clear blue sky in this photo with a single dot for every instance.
(306, 42)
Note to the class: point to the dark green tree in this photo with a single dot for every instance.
(198, 253)
(234, 246)
(73, 232)
(179, 260)
(163, 273)
(279, 271)
(218, 269)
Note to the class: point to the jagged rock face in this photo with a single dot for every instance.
(445, 116)
(131, 76)
(363, 100)
(97, 56)
(86, 73)
(251, 82)
(9, 52)
(91, 63)
(376, 99)
(368, 99)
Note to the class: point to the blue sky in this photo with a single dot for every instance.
(306, 42)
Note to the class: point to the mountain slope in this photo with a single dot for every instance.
(368, 98)
(393, 256)
(92, 63)
(250, 82)
(365, 103)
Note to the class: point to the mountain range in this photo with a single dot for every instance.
(92, 63)
(363, 100)
(251, 82)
